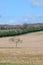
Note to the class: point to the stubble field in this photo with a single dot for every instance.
(30, 51)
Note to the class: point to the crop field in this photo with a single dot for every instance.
(16, 64)
(22, 50)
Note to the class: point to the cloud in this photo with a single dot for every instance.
(33, 18)
(36, 2)
(27, 19)
(11, 22)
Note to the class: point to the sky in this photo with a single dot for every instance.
(21, 11)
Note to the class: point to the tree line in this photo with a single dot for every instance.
(20, 29)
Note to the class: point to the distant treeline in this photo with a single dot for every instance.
(11, 30)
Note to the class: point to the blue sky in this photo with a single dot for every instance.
(21, 11)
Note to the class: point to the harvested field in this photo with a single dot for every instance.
(33, 40)
(29, 51)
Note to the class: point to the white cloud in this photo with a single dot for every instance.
(33, 19)
(11, 22)
(37, 2)
(27, 19)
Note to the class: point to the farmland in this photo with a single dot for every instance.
(30, 51)
(15, 64)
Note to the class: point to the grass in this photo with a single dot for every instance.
(17, 64)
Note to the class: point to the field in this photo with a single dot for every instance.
(30, 51)
(16, 64)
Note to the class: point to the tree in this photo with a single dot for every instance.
(16, 41)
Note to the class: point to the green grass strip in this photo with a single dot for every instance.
(18, 64)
